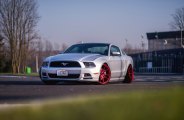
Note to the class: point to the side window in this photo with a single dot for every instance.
(115, 49)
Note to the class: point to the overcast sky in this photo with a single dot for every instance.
(111, 21)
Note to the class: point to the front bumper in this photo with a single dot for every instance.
(74, 74)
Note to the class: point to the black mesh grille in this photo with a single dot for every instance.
(69, 76)
(64, 64)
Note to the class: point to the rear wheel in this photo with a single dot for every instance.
(129, 75)
(105, 74)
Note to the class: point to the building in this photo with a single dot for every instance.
(165, 54)
(165, 40)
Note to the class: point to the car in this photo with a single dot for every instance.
(93, 62)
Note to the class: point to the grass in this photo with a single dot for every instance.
(22, 74)
(140, 105)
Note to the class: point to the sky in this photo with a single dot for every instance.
(109, 21)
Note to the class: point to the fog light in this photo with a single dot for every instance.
(44, 74)
(87, 76)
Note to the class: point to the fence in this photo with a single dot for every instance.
(167, 61)
(155, 70)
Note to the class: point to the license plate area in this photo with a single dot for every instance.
(62, 73)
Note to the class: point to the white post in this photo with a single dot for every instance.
(36, 63)
(182, 39)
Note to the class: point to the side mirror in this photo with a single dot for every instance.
(116, 54)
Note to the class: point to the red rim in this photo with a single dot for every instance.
(105, 74)
(130, 73)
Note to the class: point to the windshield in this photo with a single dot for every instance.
(89, 48)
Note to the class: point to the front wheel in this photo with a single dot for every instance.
(105, 74)
(129, 75)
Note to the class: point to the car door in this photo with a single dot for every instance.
(115, 62)
(124, 63)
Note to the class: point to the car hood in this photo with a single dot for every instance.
(74, 57)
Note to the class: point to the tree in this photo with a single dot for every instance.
(40, 50)
(1, 42)
(18, 19)
(178, 19)
(1, 47)
(48, 47)
(63, 47)
(4, 59)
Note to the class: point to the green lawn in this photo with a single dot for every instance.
(167, 104)
(21, 74)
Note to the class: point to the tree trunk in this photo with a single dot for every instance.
(18, 18)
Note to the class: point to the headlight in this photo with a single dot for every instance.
(45, 64)
(89, 64)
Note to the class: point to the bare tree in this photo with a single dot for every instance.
(1, 48)
(4, 66)
(178, 19)
(48, 48)
(40, 47)
(63, 47)
(1, 42)
(56, 46)
(129, 49)
(18, 19)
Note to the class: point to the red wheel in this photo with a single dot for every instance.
(130, 75)
(105, 74)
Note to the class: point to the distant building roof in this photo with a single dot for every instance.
(165, 35)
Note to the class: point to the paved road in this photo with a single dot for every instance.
(15, 89)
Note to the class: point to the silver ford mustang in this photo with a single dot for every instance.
(95, 62)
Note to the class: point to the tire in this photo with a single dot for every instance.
(129, 75)
(49, 82)
(105, 74)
